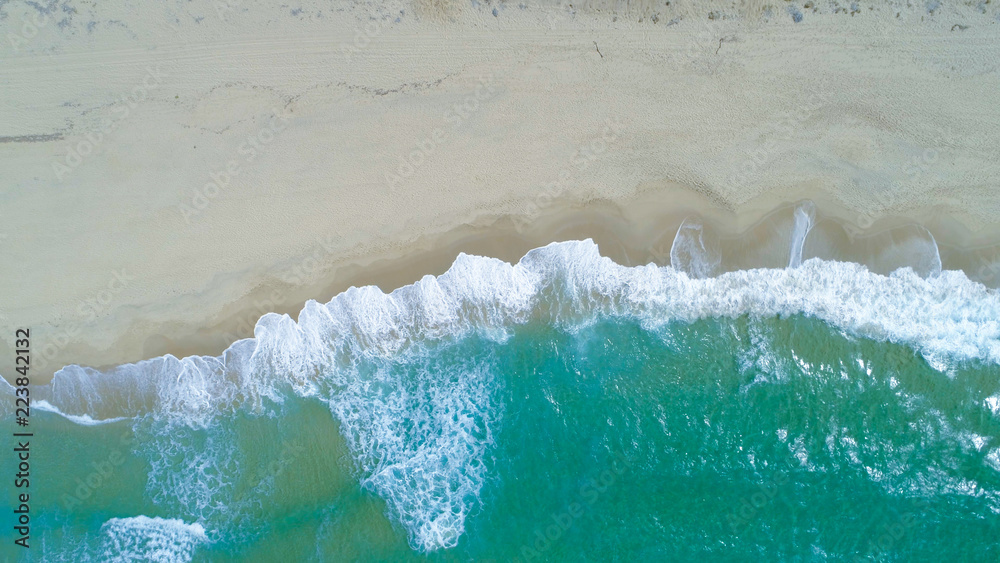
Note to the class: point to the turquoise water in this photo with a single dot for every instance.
(564, 409)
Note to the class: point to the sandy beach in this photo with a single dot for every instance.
(172, 173)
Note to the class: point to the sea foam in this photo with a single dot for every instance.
(83, 419)
(141, 538)
(363, 354)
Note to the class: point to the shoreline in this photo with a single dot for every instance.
(610, 225)
(174, 176)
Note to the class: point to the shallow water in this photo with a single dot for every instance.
(565, 408)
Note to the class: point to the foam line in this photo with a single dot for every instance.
(805, 214)
(83, 419)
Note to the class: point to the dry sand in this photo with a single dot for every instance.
(169, 173)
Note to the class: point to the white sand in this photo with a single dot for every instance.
(108, 259)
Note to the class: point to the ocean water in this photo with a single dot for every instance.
(562, 409)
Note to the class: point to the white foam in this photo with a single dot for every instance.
(345, 352)
(993, 403)
(7, 394)
(193, 471)
(992, 459)
(691, 253)
(805, 214)
(421, 439)
(83, 419)
(159, 540)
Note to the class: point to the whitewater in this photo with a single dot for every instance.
(421, 445)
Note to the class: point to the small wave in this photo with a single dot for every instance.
(141, 538)
(693, 252)
(804, 217)
(83, 419)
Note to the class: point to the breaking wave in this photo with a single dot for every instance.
(420, 427)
